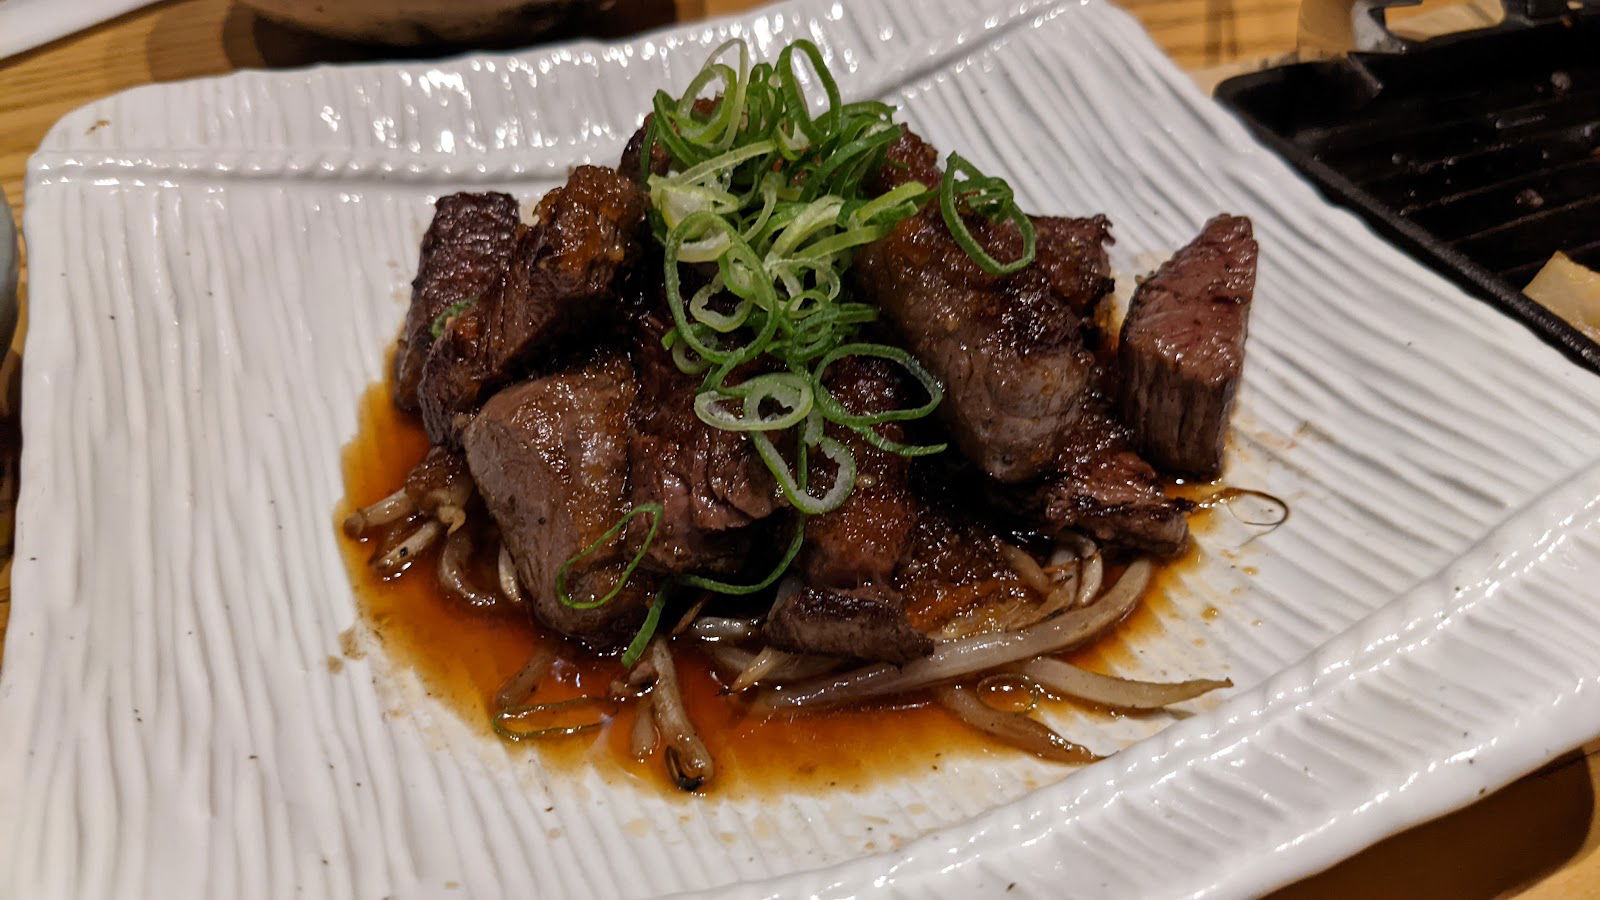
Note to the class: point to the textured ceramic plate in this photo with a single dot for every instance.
(216, 272)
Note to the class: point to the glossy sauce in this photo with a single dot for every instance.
(463, 657)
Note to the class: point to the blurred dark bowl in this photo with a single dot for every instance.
(425, 22)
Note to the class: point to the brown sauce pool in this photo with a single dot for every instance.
(463, 656)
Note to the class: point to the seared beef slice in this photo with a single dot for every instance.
(1182, 349)
(1008, 349)
(464, 253)
(632, 162)
(710, 483)
(550, 457)
(862, 541)
(909, 158)
(863, 624)
(1108, 492)
(562, 277)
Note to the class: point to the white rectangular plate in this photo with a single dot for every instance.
(215, 274)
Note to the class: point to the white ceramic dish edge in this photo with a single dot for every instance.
(1242, 820)
(26, 24)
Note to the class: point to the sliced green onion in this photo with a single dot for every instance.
(769, 201)
(768, 327)
(842, 157)
(501, 720)
(773, 195)
(844, 479)
(680, 358)
(814, 217)
(646, 631)
(718, 164)
(890, 204)
(845, 240)
(655, 511)
(875, 108)
(724, 322)
(797, 540)
(665, 132)
(647, 149)
(760, 291)
(995, 206)
(784, 388)
(871, 436)
(814, 129)
(835, 411)
(450, 312)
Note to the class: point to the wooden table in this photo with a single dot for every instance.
(1535, 839)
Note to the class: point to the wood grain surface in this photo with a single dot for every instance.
(1537, 838)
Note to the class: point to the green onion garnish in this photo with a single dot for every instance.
(501, 721)
(771, 196)
(988, 197)
(654, 510)
(450, 312)
(647, 630)
(724, 587)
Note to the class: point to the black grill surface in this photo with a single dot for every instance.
(1479, 152)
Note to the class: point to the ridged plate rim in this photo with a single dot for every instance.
(1124, 827)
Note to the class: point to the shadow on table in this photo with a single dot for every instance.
(1504, 842)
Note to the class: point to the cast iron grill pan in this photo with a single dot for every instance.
(1480, 152)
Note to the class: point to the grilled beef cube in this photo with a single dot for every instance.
(863, 540)
(1009, 349)
(1106, 491)
(440, 472)
(1071, 255)
(632, 162)
(562, 277)
(954, 564)
(908, 159)
(550, 457)
(711, 483)
(464, 253)
(865, 623)
(1182, 349)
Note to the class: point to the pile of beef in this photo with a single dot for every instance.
(548, 378)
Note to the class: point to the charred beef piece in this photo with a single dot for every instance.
(908, 159)
(1106, 491)
(866, 623)
(1071, 255)
(550, 457)
(1182, 348)
(955, 565)
(464, 253)
(632, 162)
(863, 540)
(562, 277)
(1009, 349)
(1097, 486)
(711, 484)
